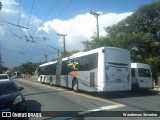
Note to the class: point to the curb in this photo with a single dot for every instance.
(157, 88)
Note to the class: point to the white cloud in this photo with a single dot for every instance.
(81, 27)
(35, 21)
(9, 2)
(9, 7)
(78, 29)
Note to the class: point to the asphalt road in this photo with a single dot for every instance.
(62, 103)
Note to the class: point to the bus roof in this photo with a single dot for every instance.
(140, 65)
(80, 54)
(48, 63)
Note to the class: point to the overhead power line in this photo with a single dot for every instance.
(31, 12)
(15, 24)
(64, 8)
(19, 11)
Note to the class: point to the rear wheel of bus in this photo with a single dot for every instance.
(75, 85)
(51, 81)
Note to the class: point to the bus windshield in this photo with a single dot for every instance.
(117, 68)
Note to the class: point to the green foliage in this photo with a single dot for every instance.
(2, 69)
(137, 33)
(0, 5)
(69, 53)
(28, 68)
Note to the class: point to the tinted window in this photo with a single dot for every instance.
(3, 77)
(52, 69)
(65, 69)
(133, 72)
(41, 70)
(88, 62)
(144, 72)
(7, 88)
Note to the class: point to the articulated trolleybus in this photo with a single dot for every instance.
(101, 69)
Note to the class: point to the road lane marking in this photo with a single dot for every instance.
(92, 112)
(68, 91)
(108, 107)
(102, 108)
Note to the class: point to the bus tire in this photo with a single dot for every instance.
(75, 85)
(41, 79)
(51, 81)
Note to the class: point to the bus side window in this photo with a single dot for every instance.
(133, 72)
(65, 69)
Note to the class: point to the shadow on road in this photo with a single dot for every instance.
(107, 95)
(43, 92)
(123, 94)
(33, 106)
(66, 115)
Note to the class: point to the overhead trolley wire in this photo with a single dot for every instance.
(47, 15)
(31, 12)
(64, 8)
(25, 48)
(19, 11)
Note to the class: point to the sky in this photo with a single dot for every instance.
(42, 20)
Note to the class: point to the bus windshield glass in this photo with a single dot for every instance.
(117, 68)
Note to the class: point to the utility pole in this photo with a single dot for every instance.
(0, 58)
(46, 56)
(96, 15)
(64, 44)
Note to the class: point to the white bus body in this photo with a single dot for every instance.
(141, 75)
(101, 69)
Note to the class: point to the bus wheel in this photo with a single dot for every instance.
(51, 81)
(41, 79)
(75, 86)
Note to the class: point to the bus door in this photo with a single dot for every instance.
(58, 71)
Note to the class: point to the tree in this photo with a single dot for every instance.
(2, 69)
(69, 53)
(28, 68)
(137, 33)
(0, 5)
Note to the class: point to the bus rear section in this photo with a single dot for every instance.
(117, 70)
(141, 76)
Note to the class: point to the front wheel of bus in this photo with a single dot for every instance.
(75, 85)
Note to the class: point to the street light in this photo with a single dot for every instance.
(54, 48)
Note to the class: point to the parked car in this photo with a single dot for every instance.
(4, 77)
(11, 98)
